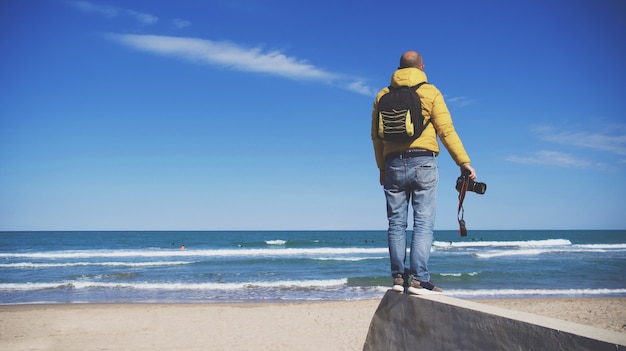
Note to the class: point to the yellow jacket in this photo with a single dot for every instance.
(433, 108)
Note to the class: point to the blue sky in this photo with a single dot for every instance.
(255, 115)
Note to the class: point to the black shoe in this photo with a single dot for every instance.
(398, 283)
(423, 288)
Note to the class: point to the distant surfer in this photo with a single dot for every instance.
(183, 248)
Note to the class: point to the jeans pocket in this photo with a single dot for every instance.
(394, 175)
(426, 175)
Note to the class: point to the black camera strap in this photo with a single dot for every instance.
(461, 211)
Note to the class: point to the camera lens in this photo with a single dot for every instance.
(479, 188)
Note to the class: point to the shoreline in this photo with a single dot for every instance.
(332, 325)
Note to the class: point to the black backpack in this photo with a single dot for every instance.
(400, 114)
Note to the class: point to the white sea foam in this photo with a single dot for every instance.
(275, 242)
(502, 253)
(351, 259)
(303, 285)
(177, 285)
(507, 248)
(602, 246)
(527, 243)
(490, 249)
(78, 264)
(546, 250)
(471, 274)
(270, 252)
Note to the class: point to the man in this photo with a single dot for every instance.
(408, 172)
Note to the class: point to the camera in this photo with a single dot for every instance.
(477, 187)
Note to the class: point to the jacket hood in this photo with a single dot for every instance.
(408, 77)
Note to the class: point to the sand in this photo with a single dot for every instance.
(337, 325)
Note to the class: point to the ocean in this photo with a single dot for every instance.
(256, 266)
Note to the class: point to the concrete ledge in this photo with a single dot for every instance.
(439, 322)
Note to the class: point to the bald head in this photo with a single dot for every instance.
(411, 59)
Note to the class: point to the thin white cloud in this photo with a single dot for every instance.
(88, 7)
(360, 87)
(613, 142)
(221, 53)
(460, 101)
(236, 57)
(551, 158)
(113, 12)
(180, 23)
(143, 18)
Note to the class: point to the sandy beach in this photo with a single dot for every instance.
(336, 325)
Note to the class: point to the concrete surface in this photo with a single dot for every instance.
(439, 322)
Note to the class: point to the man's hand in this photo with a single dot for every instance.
(472, 174)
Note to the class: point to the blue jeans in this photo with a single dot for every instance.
(411, 179)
